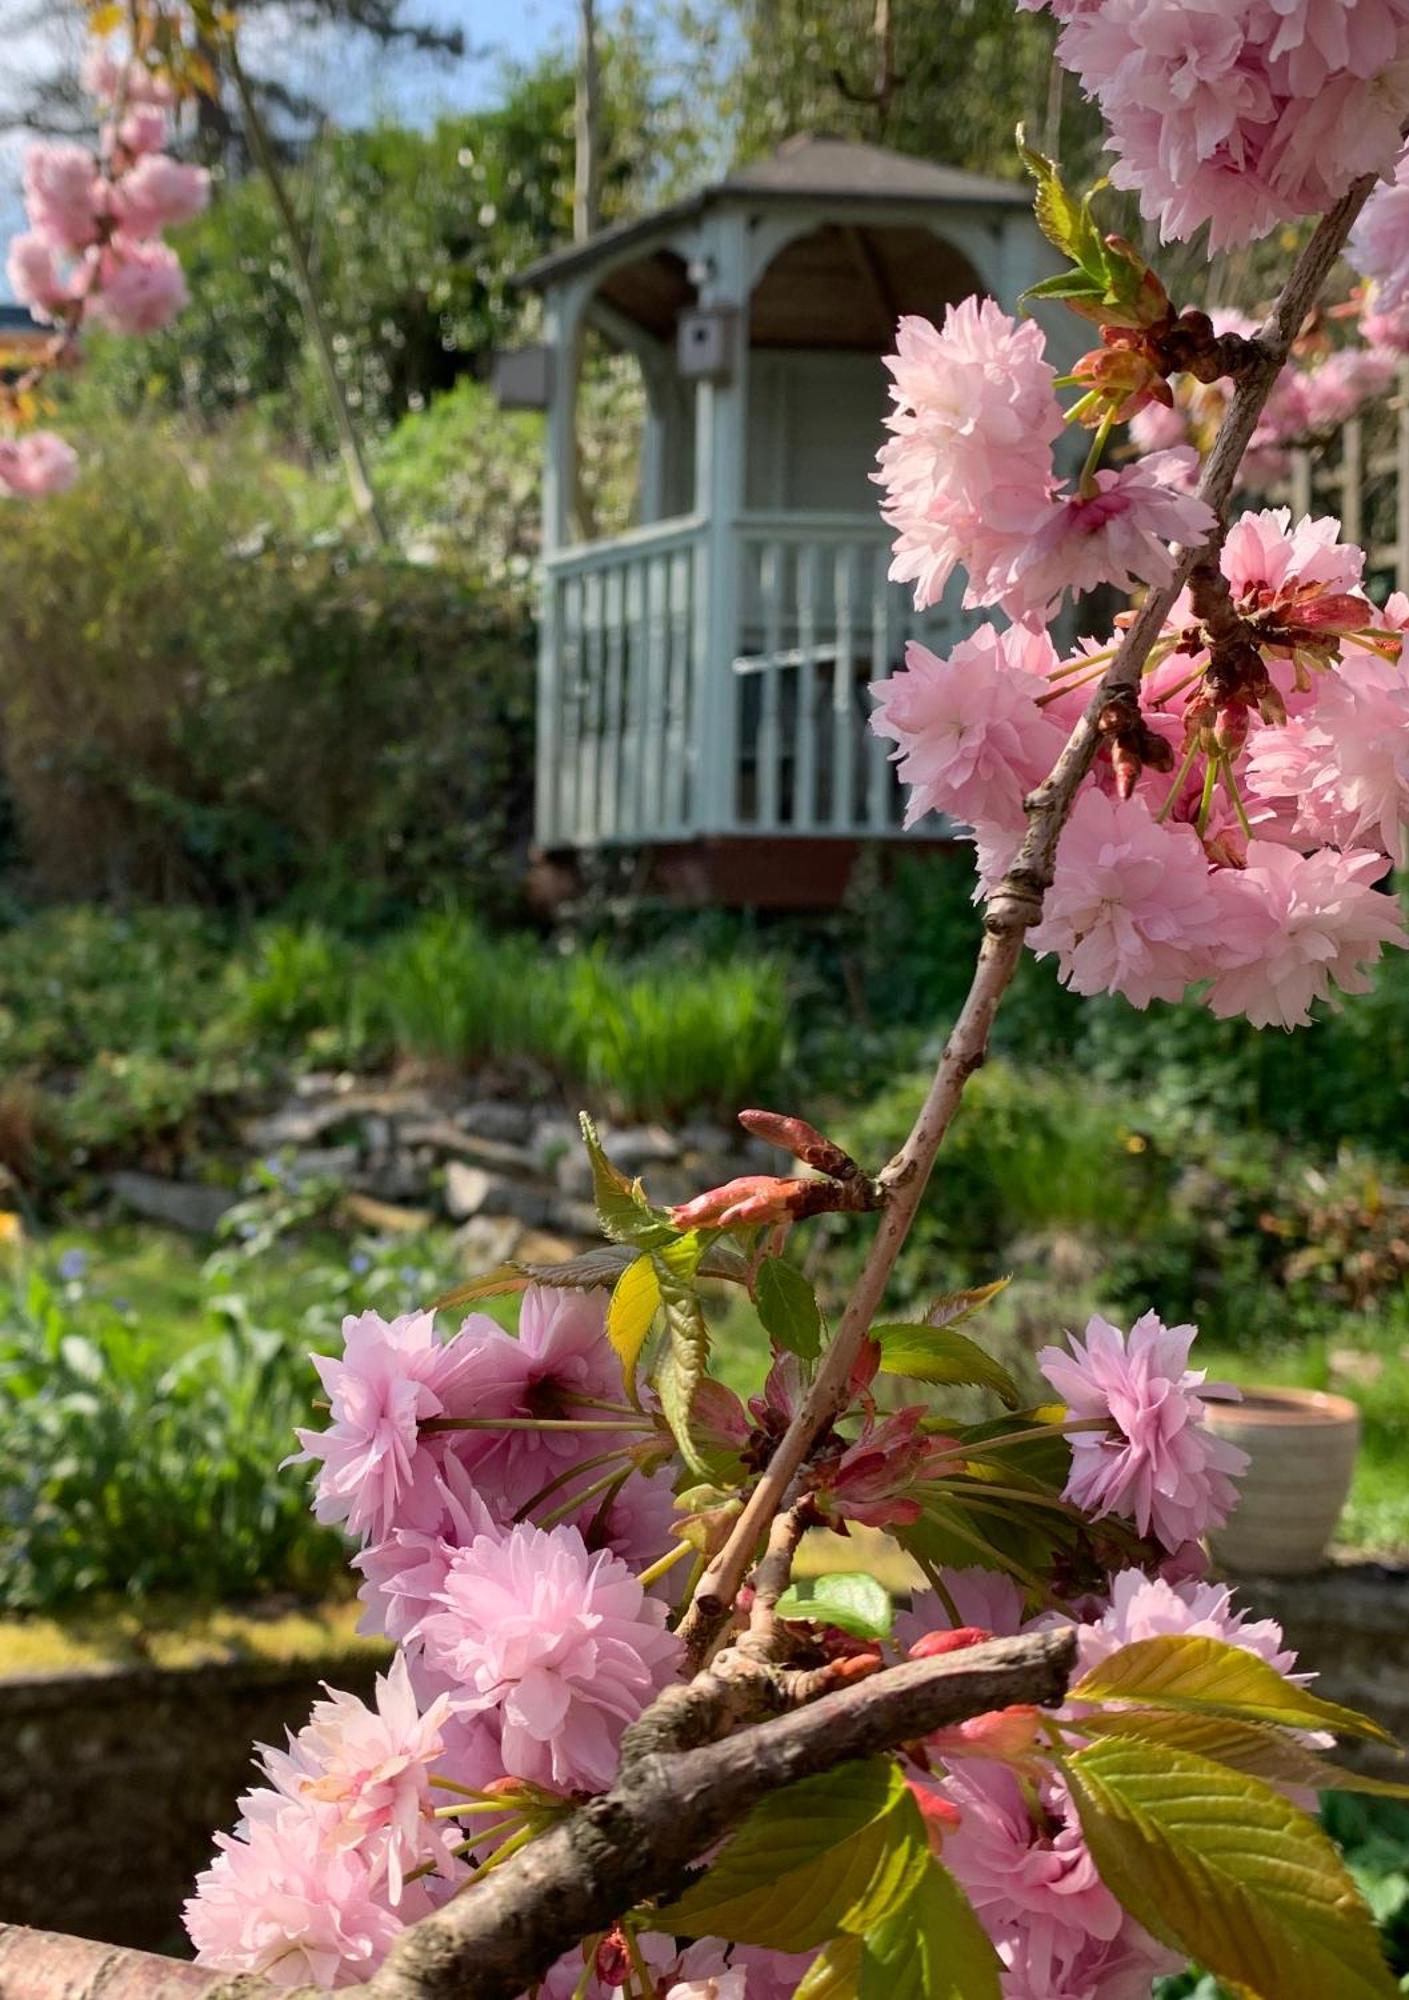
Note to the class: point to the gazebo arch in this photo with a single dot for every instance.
(702, 676)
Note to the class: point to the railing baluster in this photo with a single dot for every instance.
(681, 702)
(805, 732)
(571, 657)
(635, 698)
(615, 720)
(844, 705)
(879, 789)
(1352, 479)
(589, 804)
(773, 564)
(653, 734)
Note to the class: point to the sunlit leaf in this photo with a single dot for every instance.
(675, 1264)
(1257, 1748)
(788, 1308)
(1220, 1867)
(930, 1947)
(849, 1599)
(834, 1853)
(625, 1214)
(1185, 1671)
(935, 1354)
(631, 1313)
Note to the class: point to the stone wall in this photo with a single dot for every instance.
(112, 1782)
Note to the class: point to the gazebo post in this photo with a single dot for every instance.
(721, 417)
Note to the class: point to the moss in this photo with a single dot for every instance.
(176, 1635)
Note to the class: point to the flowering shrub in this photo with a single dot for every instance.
(94, 248)
(1073, 1762)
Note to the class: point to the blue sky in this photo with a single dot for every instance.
(358, 80)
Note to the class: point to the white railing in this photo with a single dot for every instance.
(819, 621)
(619, 686)
(675, 702)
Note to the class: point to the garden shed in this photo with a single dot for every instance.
(703, 673)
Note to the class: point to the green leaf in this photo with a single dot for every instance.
(933, 1354)
(834, 1973)
(849, 1599)
(931, 1947)
(1222, 1868)
(631, 1313)
(1183, 1671)
(788, 1308)
(593, 1270)
(953, 1308)
(1256, 1748)
(1068, 285)
(680, 1374)
(833, 1853)
(622, 1208)
(1062, 218)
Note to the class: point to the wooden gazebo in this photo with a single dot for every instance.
(702, 682)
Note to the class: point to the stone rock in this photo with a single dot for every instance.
(325, 1163)
(705, 1138)
(396, 1177)
(575, 1218)
(573, 1173)
(471, 1190)
(488, 1118)
(540, 1246)
(442, 1136)
(187, 1205)
(486, 1241)
(551, 1138)
(636, 1146)
(386, 1218)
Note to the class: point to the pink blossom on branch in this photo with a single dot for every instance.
(158, 193)
(64, 194)
(37, 280)
(141, 286)
(1379, 242)
(1156, 1462)
(970, 737)
(1118, 534)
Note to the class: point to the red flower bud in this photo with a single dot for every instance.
(614, 1958)
(958, 1641)
(803, 1141)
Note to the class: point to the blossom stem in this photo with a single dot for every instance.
(935, 1579)
(664, 1564)
(1235, 797)
(1206, 796)
(1088, 487)
(1186, 764)
(432, 1424)
(557, 1483)
(571, 1505)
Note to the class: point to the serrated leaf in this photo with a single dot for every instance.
(1068, 285)
(953, 1308)
(622, 1208)
(1222, 1868)
(849, 1599)
(931, 1947)
(1185, 1671)
(1256, 1748)
(594, 1269)
(1063, 219)
(934, 1354)
(834, 1973)
(833, 1853)
(635, 1301)
(675, 1265)
(788, 1308)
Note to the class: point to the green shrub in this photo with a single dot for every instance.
(126, 1470)
(202, 708)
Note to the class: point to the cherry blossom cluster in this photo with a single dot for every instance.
(513, 1506)
(94, 249)
(1242, 810)
(969, 477)
(1241, 114)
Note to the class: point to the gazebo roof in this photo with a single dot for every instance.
(806, 168)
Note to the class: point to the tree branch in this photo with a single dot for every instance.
(1011, 910)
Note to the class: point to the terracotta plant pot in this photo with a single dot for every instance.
(1301, 1446)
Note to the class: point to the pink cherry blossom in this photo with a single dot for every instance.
(1295, 927)
(37, 280)
(1361, 727)
(159, 193)
(984, 1598)
(391, 1378)
(971, 739)
(1130, 909)
(36, 464)
(1032, 1881)
(63, 193)
(967, 473)
(1335, 390)
(1146, 1607)
(1118, 534)
(141, 286)
(143, 129)
(1264, 557)
(1379, 241)
(371, 1767)
(1038, 1966)
(277, 1903)
(1156, 1462)
(561, 1647)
